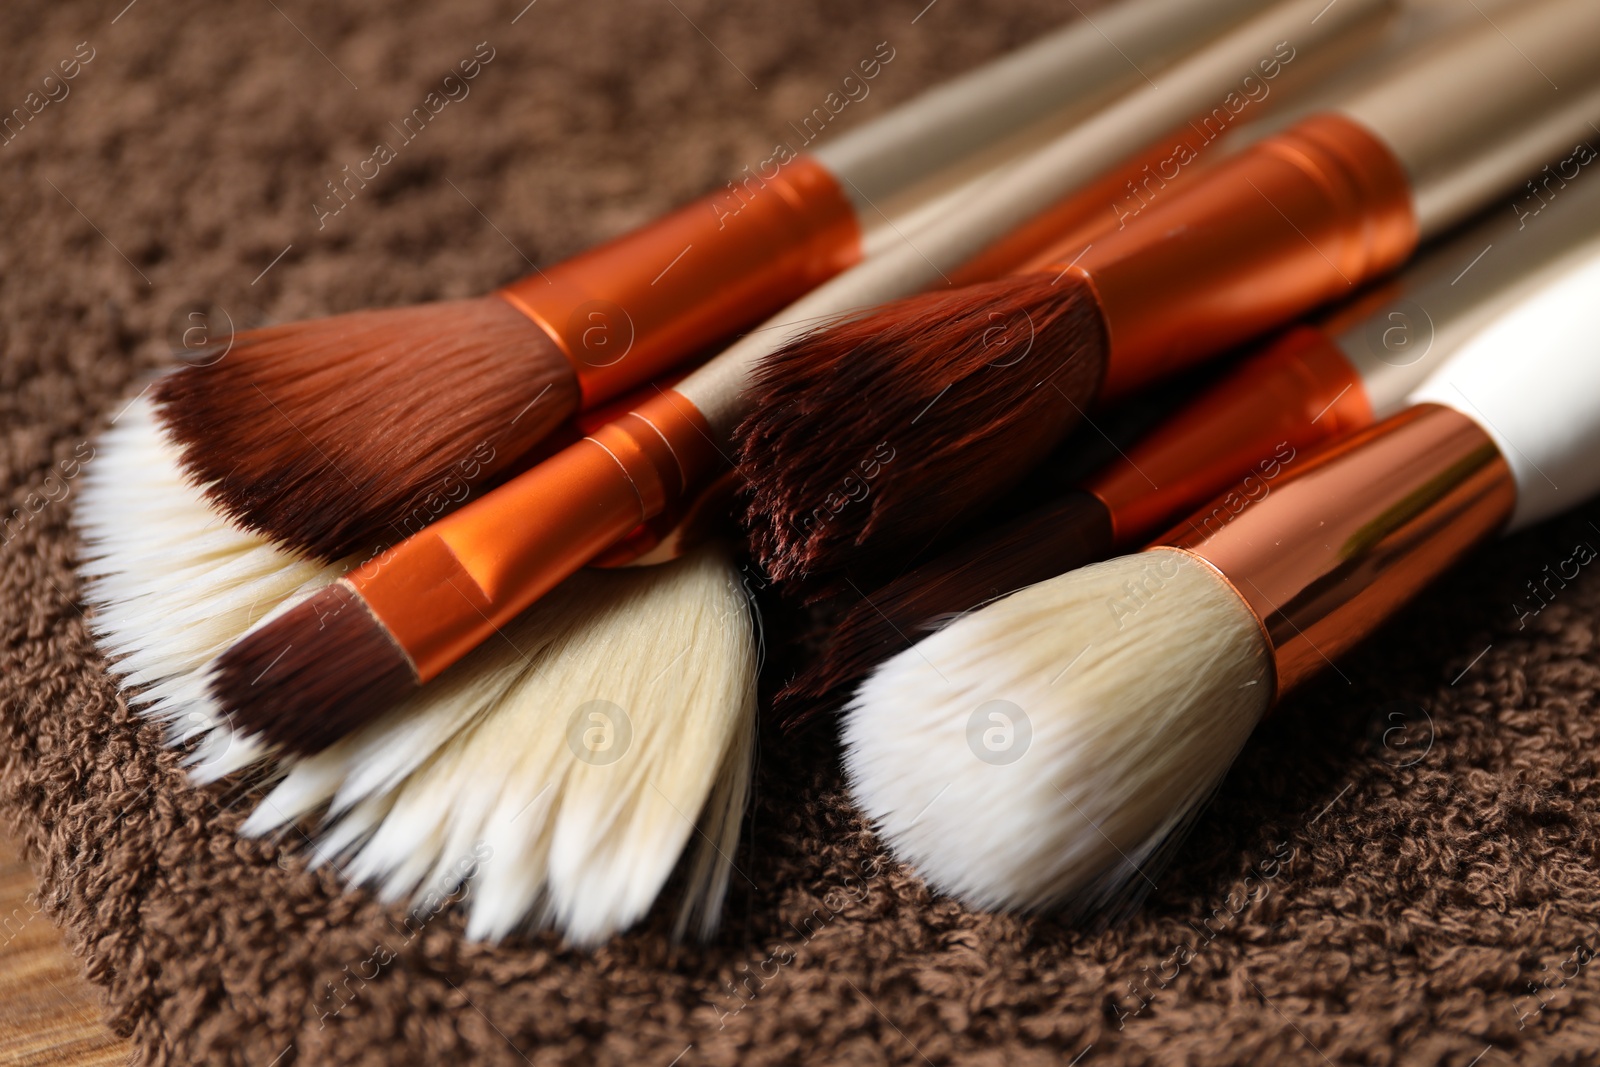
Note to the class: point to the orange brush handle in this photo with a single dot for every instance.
(445, 590)
(1296, 394)
(1299, 219)
(631, 309)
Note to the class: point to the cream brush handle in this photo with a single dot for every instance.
(1398, 335)
(1531, 379)
(1066, 164)
(1489, 105)
(1078, 67)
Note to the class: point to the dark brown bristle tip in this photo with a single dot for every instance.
(1052, 540)
(869, 436)
(312, 675)
(334, 435)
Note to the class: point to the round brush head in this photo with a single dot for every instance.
(1040, 752)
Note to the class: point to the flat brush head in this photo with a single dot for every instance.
(313, 674)
(1042, 751)
(869, 436)
(580, 755)
(1042, 544)
(335, 435)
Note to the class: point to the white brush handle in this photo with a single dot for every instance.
(1532, 380)
(1489, 106)
(1412, 327)
(1066, 164)
(1076, 68)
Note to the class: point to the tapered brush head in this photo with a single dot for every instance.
(1042, 751)
(313, 674)
(1042, 544)
(870, 436)
(334, 435)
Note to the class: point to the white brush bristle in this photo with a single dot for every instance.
(173, 583)
(1138, 679)
(481, 757)
(489, 766)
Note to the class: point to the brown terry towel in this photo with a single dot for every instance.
(1402, 868)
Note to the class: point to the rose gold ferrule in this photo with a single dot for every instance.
(629, 310)
(445, 590)
(1296, 394)
(1330, 551)
(1296, 220)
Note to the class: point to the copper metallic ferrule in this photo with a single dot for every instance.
(443, 591)
(1295, 395)
(1296, 220)
(1326, 554)
(629, 310)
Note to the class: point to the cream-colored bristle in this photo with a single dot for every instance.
(172, 583)
(486, 772)
(1037, 752)
(568, 761)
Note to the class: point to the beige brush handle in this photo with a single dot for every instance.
(1079, 67)
(1489, 106)
(1011, 199)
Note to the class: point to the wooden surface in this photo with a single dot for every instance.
(49, 1014)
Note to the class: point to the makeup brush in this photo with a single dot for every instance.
(970, 388)
(171, 584)
(1043, 749)
(360, 646)
(577, 752)
(1310, 386)
(327, 435)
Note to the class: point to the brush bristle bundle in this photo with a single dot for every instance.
(172, 584)
(334, 435)
(313, 674)
(869, 436)
(1041, 752)
(569, 764)
(1042, 544)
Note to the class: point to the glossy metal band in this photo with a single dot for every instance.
(1336, 547)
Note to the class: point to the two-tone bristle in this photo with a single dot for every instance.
(1042, 544)
(334, 435)
(871, 436)
(312, 675)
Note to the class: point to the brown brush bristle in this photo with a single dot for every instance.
(1060, 537)
(334, 435)
(312, 675)
(869, 436)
